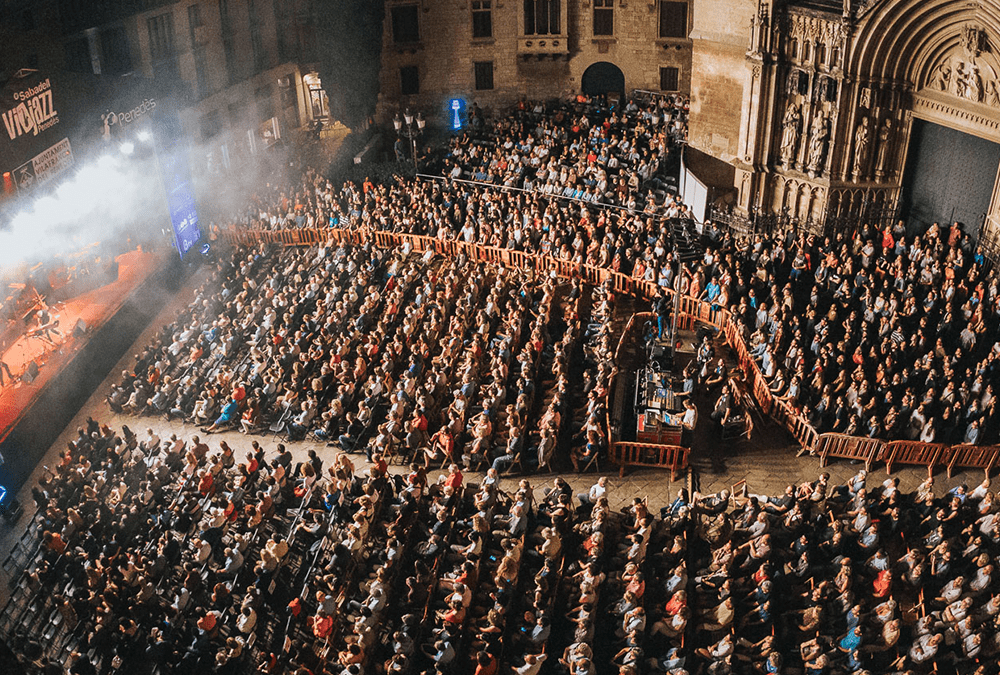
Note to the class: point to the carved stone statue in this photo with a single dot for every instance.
(973, 89)
(884, 135)
(957, 84)
(992, 95)
(942, 76)
(862, 135)
(973, 40)
(818, 137)
(792, 84)
(790, 133)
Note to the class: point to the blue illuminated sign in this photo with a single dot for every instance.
(456, 105)
(176, 176)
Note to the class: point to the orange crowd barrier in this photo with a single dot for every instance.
(971, 457)
(912, 453)
(841, 446)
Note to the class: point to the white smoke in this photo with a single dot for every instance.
(111, 197)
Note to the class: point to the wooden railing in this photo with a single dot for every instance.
(692, 310)
(673, 457)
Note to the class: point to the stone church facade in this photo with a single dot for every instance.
(831, 92)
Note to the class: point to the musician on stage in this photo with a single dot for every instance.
(47, 326)
(687, 421)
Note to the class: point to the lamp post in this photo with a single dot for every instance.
(412, 128)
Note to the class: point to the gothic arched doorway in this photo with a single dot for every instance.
(603, 78)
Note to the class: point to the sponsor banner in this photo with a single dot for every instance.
(44, 166)
(115, 122)
(175, 172)
(33, 111)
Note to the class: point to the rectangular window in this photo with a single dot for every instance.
(604, 17)
(482, 18)
(162, 53)
(673, 19)
(283, 24)
(669, 77)
(198, 50)
(405, 25)
(286, 86)
(78, 56)
(541, 17)
(484, 75)
(228, 42)
(161, 36)
(116, 57)
(409, 81)
(265, 102)
(256, 41)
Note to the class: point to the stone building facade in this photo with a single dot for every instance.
(239, 71)
(817, 109)
(492, 52)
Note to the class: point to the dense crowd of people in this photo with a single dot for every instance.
(854, 331)
(384, 352)
(162, 555)
(885, 334)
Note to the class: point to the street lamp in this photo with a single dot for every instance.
(410, 128)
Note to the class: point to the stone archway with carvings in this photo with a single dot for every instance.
(834, 94)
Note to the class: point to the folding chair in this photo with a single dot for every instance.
(514, 464)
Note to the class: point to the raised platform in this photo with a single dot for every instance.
(32, 414)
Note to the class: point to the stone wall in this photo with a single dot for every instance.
(446, 53)
(720, 38)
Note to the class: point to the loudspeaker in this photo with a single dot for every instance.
(31, 373)
(80, 328)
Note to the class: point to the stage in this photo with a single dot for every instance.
(33, 412)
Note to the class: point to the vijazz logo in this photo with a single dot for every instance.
(34, 114)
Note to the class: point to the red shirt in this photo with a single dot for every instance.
(454, 480)
(322, 626)
(489, 669)
(207, 622)
(883, 583)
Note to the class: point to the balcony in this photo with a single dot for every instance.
(542, 46)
